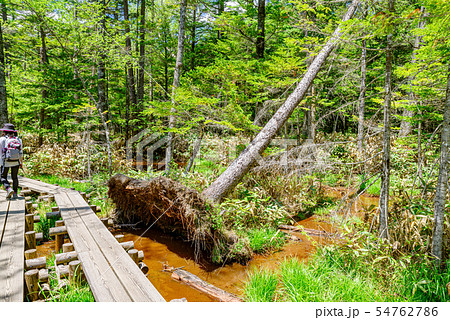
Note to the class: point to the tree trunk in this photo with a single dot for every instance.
(260, 39)
(234, 173)
(406, 125)
(131, 79)
(385, 174)
(441, 188)
(102, 103)
(362, 99)
(176, 82)
(194, 152)
(194, 20)
(140, 88)
(220, 10)
(44, 64)
(3, 97)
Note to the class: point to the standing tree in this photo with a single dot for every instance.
(260, 38)
(386, 168)
(140, 87)
(176, 82)
(441, 188)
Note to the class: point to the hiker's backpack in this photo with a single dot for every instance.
(12, 149)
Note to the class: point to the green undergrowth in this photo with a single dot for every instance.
(79, 292)
(338, 275)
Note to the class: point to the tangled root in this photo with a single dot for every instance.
(175, 209)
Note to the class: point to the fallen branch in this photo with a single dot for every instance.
(310, 232)
(203, 286)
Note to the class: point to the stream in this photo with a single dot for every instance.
(160, 249)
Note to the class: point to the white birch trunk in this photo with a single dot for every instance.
(441, 188)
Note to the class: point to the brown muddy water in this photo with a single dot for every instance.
(160, 249)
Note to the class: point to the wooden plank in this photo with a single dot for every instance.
(103, 282)
(12, 253)
(136, 283)
(39, 186)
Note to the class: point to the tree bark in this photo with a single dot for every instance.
(44, 64)
(441, 188)
(362, 99)
(3, 96)
(385, 174)
(194, 20)
(406, 125)
(260, 39)
(140, 87)
(131, 79)
(220, 10)
(176, 82)
(102, 103)
(234, 173)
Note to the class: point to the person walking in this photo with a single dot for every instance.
(10, 157)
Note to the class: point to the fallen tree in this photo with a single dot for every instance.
(176, 209)
(237, 170)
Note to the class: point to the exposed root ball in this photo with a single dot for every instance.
(173, 208)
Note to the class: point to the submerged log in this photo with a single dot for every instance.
(203, 286)
(309, 232)
(175, 209)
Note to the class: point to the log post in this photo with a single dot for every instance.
(83, 194)
(30, 240)
(30, 254)
(141, 255)
(66, 257)
(93, 208)
(143, 267)
(53, 214)
(43, 275)
(39, 236)
(119, 237)
(36, 218)
(133, 253)
(67, 247)
(75, 272)
(29, 222)
(104, 221)
(37, 263)
(28, 206)
(127, 245)
(55, 209)
(45, 291)
(59, 238)
(32, 282)
(50, 199)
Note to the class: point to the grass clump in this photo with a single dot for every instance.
(261, 287)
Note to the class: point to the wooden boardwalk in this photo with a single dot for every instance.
(12, 244)
(112, 275)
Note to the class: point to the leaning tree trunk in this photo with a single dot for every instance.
(3, 97)
(441, 188)
(385, 174)
(234, 173)
(176, 82)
